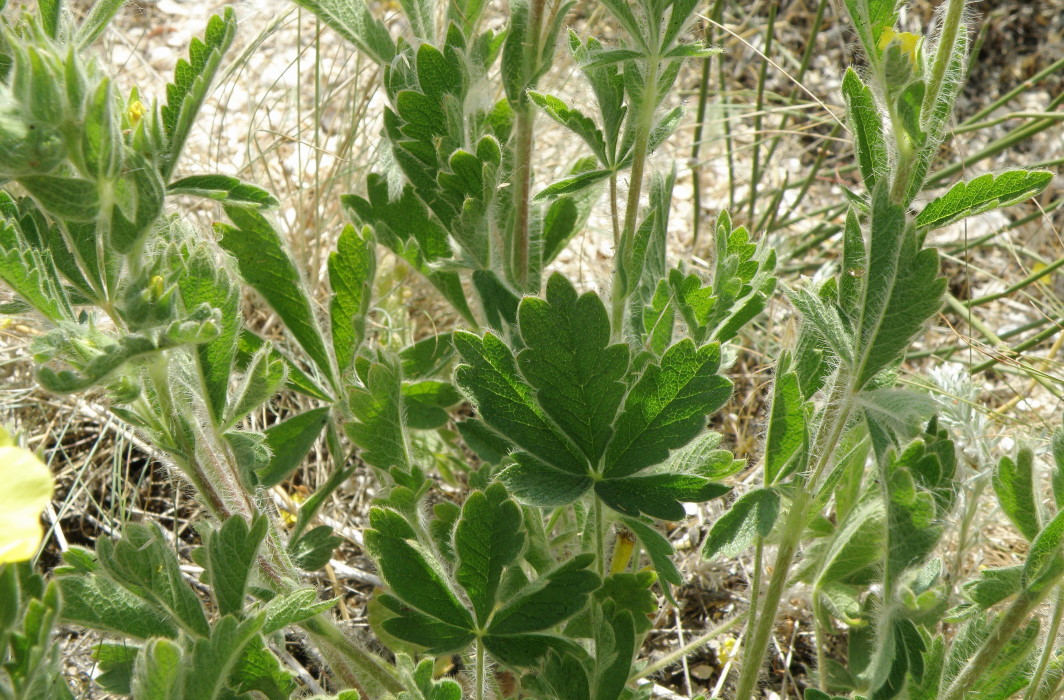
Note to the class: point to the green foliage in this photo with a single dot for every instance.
(590, 414)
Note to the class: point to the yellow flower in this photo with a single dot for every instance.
(907, 42)
(27, 488)
(135, 112)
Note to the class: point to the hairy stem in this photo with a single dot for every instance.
(1048, 649)
(522, 191)
(836, 416)
(1007, 625)
(622, 281)
(356, 666)
(943, 53)
(481, 671)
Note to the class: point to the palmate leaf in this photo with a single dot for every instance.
(667, 407)
(192, 80)
(982, 194)
(578, 375)
(902, 289)
(265, 265)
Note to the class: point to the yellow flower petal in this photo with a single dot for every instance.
(27, 488)
(907, 42)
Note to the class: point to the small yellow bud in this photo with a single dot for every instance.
(135, 112)
(27, 490)
(907, 42)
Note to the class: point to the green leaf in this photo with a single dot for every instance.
(67, 198)
(268, 268)
(289, 442)
(213, 659)
(352, 20)
(555, 597)
(427, 357)
(787, 430)
(488, 445)
(192, 82)
(536, 483)
(572, 184)
(263, 377)
(914, 511)
(994, 586)
(223, 188)
(754, 513)
(96, 21)
(411, 625)
(248, 344)
(504, 401)
(658, 548)
(867, 128)
(116, 663)
(258, 669)
(425, 403)
(513, 69)
(412, 575)
(667, 407)
(292, 608)
(231, 557)
(902, 289)
(574, 120)
(351, 270)
(1044, 563)
(314, 549)
(157, 671)
(26, 271)
(145, 563)
(205, 282)
(1014, 486)
(982, 194)
(578, 375)
(99, 603)
(657, 495)
(403, 218)
(378, 410)
(823, 319)
(488, 538)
